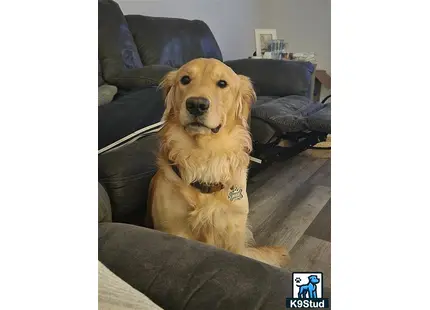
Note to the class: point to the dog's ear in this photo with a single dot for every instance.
(246, 98)
(166, 86)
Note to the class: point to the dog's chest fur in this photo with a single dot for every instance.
(217, 220)
(225, 168)
(209, 160)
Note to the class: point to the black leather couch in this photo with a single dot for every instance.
(135, 52)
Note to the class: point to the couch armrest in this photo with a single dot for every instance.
(138, 77)
(126, 173)
(277, 77)
(105, 211)
(177, 273)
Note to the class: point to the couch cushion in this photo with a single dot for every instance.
(125, 173)
(127, 113)
(172, 41)
(263, 99)
(117, 51)
(272, 77)
(148, 76)
(287, 114)
(321, 120)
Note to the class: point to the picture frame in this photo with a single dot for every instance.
(262, 36)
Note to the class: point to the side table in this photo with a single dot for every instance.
(321, 79)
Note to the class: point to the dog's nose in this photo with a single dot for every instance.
(197, 105)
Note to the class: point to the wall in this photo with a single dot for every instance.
(304, 24)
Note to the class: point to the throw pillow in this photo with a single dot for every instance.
(106, 93)
(114, 293)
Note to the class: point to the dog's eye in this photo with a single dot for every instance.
(221, 84)
(185, 80)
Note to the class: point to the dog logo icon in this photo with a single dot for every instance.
(307, 291)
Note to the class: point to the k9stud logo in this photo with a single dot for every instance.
(307, 291)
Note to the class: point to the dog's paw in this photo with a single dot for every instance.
(276, 256)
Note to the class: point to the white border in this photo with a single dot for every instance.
(259, 32)
(380, 154)
(48, 124)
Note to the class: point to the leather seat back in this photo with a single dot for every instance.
(172, 41)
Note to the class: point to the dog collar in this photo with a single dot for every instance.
(205, 188)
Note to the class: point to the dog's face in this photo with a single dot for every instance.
(205, 95)
(314, 279)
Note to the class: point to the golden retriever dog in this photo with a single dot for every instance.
(199, 190)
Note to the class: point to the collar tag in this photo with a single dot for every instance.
(235, 193)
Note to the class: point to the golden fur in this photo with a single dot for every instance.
(207, 156)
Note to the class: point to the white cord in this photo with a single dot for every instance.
(133, 140)
(256, 160)
(130, 136)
